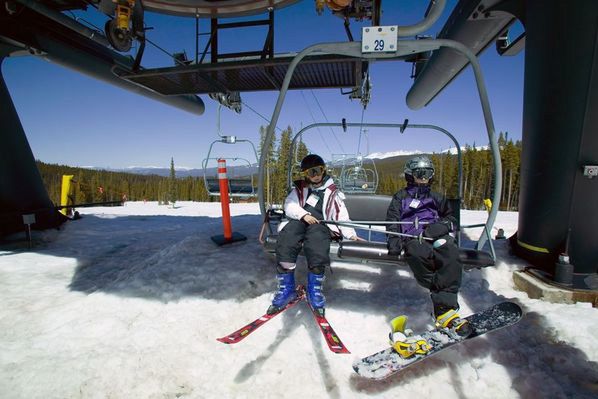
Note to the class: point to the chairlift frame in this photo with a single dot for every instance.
(354, 170)
(404, 49)
(402, 127)
(246, 191)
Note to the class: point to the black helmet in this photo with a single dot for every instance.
(312, 160)
(419, 167)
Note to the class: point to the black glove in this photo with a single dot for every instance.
(436, 230)
(394, 246)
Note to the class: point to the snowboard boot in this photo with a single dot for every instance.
(314, 292)
(451, 323)
(285, 294)
(403, 341)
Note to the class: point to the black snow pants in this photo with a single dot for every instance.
(315, 240)
(437, 269)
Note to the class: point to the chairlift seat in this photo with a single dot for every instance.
(372, 251)
(372, 208)
(236, 186)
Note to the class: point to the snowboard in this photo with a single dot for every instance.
(387, 362)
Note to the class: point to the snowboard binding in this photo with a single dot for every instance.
(404, 342)
(451, 324)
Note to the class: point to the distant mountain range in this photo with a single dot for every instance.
(384, 158)
(180, 172)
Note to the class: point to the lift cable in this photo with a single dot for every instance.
(260, 115)
(326, 119)
(314, 120)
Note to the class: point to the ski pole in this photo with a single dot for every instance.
(420, 237)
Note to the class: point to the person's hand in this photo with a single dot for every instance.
(356, 238)
(309, 219)
(436, 230)
(394, 247)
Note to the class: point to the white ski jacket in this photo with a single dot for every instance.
(333, 206)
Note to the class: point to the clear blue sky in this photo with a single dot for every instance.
(72, 119)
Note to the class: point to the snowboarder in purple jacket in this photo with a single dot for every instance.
(434, 260)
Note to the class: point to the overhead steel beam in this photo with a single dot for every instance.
(475, 24)
(56, 40)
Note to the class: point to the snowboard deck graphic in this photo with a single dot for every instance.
(387, 362)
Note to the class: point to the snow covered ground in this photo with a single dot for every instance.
(128, 302)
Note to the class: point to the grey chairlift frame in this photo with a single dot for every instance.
(252, 192)
(402, 127)
(404, 48)
(355, 169)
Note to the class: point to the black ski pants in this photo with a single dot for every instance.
(313, 238)
(437, 269)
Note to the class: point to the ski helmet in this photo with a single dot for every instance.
(420, 167)
(311, 161)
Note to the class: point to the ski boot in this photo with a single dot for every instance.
(285, 294)
(453, 325)
(314, 292)
(404, 342)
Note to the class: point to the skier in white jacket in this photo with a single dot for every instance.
(313, 199)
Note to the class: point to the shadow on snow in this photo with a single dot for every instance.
(167, 258)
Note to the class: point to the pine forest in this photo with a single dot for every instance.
(96, 186)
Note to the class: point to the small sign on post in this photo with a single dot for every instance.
(28, 219)
(379, 39)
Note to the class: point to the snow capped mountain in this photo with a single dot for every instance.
(382, 155)
(453, 150)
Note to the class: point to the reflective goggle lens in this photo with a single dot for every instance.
(315, 171)
(424, 173)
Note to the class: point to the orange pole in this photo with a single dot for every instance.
(224, 201)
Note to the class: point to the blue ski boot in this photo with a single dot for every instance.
(314, 292)
(285, 294)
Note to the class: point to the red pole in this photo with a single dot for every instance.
(224, 201)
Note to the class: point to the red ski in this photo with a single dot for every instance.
(334, 342)
(243, 332)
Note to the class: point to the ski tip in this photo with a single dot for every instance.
(223, 340)
(339, 349)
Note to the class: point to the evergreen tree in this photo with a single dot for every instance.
(302, 152)
(477, 178)
(270, 164)
(279, 185)
(172, 184)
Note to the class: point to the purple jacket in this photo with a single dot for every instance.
(411, 202)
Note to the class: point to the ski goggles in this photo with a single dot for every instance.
(423, 173)
(315, 171)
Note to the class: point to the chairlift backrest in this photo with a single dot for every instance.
(239, 185)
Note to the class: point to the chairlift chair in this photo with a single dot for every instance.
(359, 176)
(242, 180)
(397, 50)
(368, 212)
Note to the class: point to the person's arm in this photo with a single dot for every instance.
(292, 207)
(445, 212)
(343, 216)
(446, 221)
(393, 214)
